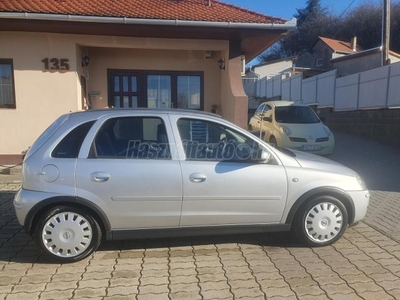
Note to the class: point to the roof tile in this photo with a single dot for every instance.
(191, 10)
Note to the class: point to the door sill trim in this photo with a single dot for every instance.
(126, 234)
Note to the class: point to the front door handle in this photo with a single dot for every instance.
(197, 177)
(99, 177)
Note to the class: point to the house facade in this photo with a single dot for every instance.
(361, 61)
(63, 56)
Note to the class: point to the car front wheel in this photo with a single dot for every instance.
(321, 221)
(68, 234)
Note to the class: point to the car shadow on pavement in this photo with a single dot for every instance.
(26, 252)
(378, 164)
(282, 239)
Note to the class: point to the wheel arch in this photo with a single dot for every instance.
(34, 214)
(323, 191)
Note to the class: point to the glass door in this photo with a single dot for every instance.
(188, 89)
(159, 91)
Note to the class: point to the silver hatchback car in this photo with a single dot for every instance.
(119, 174)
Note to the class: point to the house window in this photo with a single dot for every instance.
(156, 89)
(7, 93)
(318, 62)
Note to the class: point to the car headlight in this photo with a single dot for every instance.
(361, 182)
(285, 130)
(327, 130)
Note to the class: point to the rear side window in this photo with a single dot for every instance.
(71, 144)
(46, 135)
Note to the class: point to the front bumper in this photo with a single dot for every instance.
(326, 148)
(360, 202)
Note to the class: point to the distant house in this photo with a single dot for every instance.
(325, 49)
(361, 61)
(266, 70)
(309, 63)
(58, 56)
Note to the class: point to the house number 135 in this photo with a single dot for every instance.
(55, 64)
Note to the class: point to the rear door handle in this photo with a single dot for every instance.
(197, 177)
(99, 177)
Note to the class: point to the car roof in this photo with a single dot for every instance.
(97, 113)
(284, 103)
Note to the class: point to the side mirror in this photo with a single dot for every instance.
(268, 119)
(265, 156)
(322, 119)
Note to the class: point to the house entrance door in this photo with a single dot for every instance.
(155, 89)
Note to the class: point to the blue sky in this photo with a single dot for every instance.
(286, 8)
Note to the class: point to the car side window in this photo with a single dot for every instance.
(205, 140)
(259, 110)
(267, 112)
(131, 138)
(71, 144)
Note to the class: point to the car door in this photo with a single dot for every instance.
(128, 167)
(266, 122)
(223, 180)
(255, 121)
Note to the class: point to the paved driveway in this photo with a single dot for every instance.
(364, 264)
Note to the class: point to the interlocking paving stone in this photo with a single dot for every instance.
(163, 296)
(122, 290)
(185, 295)
(89, 292)
(153, 289)
(217, 294)
(23, 296)
(56, 295)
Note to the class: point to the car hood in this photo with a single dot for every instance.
(311, 161)
(307, 131)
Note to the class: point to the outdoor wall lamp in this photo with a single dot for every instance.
(221, 64)
(85, 61)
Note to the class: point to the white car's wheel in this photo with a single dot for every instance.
(322, 221)
(68, 234)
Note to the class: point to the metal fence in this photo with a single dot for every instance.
(377, 88)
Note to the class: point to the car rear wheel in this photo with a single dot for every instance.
(321, 221)
(68, 234)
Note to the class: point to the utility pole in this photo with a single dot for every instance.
(385, 32)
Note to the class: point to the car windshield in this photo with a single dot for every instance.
(295, 114)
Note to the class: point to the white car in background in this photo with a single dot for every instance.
(292, 125)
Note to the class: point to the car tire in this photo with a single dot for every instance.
(67, 234)
(273, 142)
(321, 221)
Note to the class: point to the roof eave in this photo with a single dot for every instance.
(123, 20)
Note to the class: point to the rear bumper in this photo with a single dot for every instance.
(25, 200)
